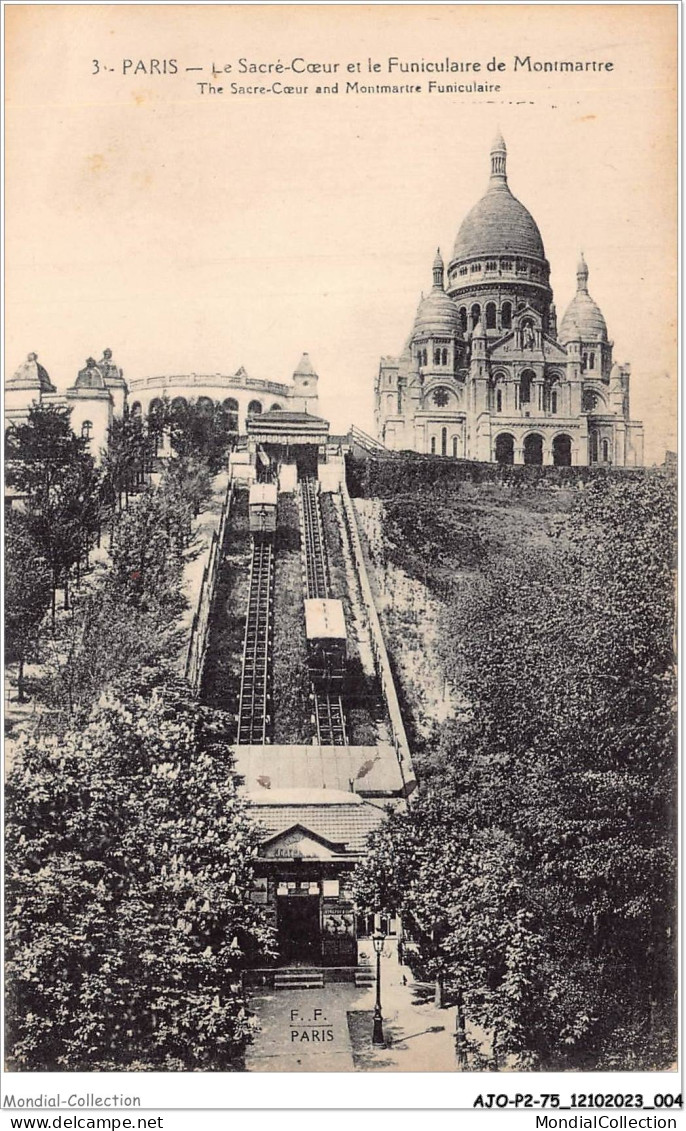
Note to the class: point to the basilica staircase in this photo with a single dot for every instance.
(365, 444)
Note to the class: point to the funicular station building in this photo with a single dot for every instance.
(317, 802)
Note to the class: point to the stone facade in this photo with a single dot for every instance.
(485, 374)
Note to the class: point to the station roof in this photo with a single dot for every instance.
(288, 427)
(326, 771)
(263, 493)
(324, 619)
(346, 824)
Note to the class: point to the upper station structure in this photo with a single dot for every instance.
(486, 374)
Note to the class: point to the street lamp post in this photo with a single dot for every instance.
(378, 939)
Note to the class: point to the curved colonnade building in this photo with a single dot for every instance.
(100, 394)
(485, 373)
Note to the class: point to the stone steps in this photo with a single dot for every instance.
(299, 979)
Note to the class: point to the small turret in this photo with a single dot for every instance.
(582, 275)
(305, 386)
(439, 271)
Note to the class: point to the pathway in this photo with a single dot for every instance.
(329, 1030)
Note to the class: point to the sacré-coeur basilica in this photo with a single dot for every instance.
(486, 374)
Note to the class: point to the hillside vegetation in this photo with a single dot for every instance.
(536, 867)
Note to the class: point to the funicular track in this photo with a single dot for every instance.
(328, 708)
(254, 722)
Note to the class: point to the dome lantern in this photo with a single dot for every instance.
(438, 270)
(582, 275)
(499, 158)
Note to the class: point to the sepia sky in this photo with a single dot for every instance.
(195, 232)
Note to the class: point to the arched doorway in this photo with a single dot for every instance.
(254, 408)
(230, 410)
(562, 451)
(504, 449)
(533, 450)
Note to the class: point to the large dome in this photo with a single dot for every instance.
(498, 224)
(583, 319)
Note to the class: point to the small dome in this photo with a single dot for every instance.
(437, 314)
(498, 224)
(90, 377)
(583, 319)
(31, 374)
(305, 367)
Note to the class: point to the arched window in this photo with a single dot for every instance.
(553, 401)
(562, 451)
(506, 316)
(593, 447)
(136, 408)
(444, 441)
(437, 357)
(86, 429)
(463, 319)
(606, 451)
(275, 408)
(504, 449)
(591, 360)
(254, 408)
(454, 447)
(533, 450)
(490, 316)
(444, 357)
(476, 315)
(589, 401)
(179, 404)
(525, 384)
(230, 410)
(499, 400)
(433, 445)
(205, 405)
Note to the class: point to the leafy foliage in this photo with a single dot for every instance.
(53, 468)
(128, 879)
(537, 867)
(28, 586)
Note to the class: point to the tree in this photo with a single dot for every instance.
(53, 467)
(127, 459)
(200, 431)
(129, 870)
(28, 586)
(554, 794)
